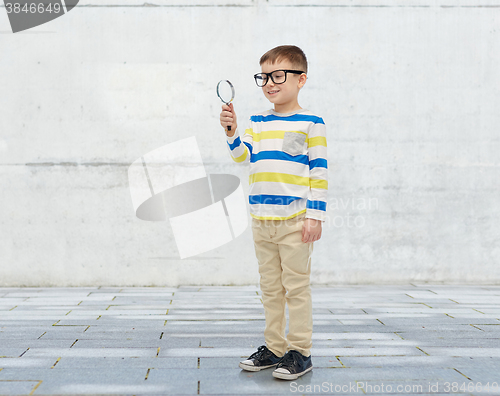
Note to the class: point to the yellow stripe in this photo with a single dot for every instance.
(277, 218)
(249, 131)
(317, 141)
(242, 157)
(257, 137)
(319, 183)
(279, 178)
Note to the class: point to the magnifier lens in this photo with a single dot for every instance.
(225, 91)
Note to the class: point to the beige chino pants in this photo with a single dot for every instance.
(285, 268)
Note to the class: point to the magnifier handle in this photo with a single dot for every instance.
(229, 126)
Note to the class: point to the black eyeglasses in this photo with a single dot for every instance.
(277, 76)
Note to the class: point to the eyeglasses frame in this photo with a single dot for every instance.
(269, 76)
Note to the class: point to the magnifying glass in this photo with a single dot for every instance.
(225, 91)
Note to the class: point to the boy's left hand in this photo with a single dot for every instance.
(311, 231)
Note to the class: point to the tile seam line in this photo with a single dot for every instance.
(383, 6)
(282, 5)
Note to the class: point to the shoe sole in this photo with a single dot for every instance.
(290, 376)
(255, 368)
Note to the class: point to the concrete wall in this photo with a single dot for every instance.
(409, 94)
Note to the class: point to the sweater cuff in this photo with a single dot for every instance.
(316, 214)
(231, 139)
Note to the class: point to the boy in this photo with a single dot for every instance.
(286, 149)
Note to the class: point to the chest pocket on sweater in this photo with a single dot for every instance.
(293, 143)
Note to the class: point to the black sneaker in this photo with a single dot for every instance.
(293, 365)
(260, 360)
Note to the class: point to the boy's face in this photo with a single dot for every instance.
(282, 94)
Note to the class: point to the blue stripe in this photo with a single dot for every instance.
(271, 199)
(235, 144)
(318, 163)
(295, 117)
(249, 147)
(280, 155)
(319, 205)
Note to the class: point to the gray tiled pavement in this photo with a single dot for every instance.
(383, 339)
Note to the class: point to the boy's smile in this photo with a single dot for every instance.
(285, 95)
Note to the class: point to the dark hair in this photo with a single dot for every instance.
(286, 52)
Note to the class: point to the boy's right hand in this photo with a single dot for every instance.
(228, 118)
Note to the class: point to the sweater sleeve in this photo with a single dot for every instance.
(240, 149)
(318, 172)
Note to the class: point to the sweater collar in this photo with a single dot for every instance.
(271, 111)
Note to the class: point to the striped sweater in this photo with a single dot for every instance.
(288, 164)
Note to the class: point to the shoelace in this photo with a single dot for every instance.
(290, 360)
(260, 352)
